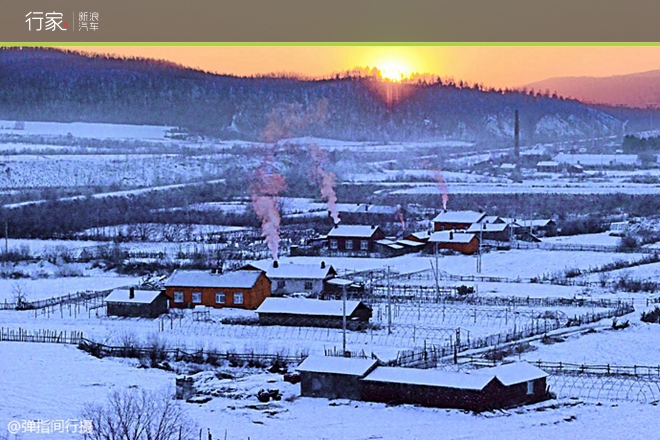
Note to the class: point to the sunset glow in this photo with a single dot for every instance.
(394, 70)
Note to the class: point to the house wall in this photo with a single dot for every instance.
(138, 310)
(493, 396)
(469, 248)
(252, 297)
(357, 321)
(341, 242)
(295, 285)
(447, 226)
(330, 386)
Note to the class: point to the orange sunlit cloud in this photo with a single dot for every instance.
(509, 66)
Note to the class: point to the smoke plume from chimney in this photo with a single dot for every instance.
(437, 174)
(264, 192)
(326, 181)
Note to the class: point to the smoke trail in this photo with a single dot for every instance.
(399, 214)
(326, 179)
(264, 191)
(437, 174)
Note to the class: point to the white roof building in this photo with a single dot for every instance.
(337, 365)
(242, 279)
(139, 296)
(290, 270)
(459, 217)
(354, 231)
(450, 237)
(304, 306)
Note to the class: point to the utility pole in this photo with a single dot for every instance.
(343, 318)
(389, 303)
(6, 238)
(481, 237)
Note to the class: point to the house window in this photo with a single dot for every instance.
(281, 284)
(238, 297)
(178, 296)
(220, 297)
(530, 387)
(333, 243)
(197, 297)
(364, 245)
(308, 285)
(349, 244)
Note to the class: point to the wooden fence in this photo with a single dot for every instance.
(43, 336)
(70, 298)
(575, 369)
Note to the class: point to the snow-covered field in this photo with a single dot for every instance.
(86, 130)
(38, 289)
(68, 378)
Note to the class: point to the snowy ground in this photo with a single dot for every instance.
(71, 378)
(38, 289)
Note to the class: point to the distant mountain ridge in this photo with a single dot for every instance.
(55, 85)
(633, 90)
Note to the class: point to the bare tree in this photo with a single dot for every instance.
(20, 293)
(134, 414)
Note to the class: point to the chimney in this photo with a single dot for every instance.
(131, 293)
(445, 209)
(213, 270)
(373, 226)
(276, 264)
(219, 270)
(322, 264)
(451, 235)
(336, 225)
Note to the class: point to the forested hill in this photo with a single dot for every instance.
(54, 85)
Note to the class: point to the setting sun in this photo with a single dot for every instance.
(394, 70)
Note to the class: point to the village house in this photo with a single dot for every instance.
(333, 377)
(303, 312)
(462, 242)
(357, 240)
(456, 220)
(136, 303)
(366, 213)
(244, 289)
(491, 231)
(288, 278)
(548, 166)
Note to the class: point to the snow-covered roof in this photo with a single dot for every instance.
(337, 365)
(547, 163)
(433, 378)
(459, 217)
(339, 282)
(357, 231)
(517, 372)
(290, 270)
(508, 166)
(491, 219)
(456, 237)
(487, 227)
(140, 296)
(242, 279)
(304, 306)
(424, 235)
(410, 243)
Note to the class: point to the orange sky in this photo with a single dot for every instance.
(509, 66)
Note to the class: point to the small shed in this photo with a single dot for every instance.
(303, 312)
(334, 377)
(491, 231)
(136, 303)
(548, 166)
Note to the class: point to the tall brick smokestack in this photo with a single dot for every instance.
(516, 135)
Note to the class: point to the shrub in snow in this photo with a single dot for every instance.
(139, 415)
(652, 316)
